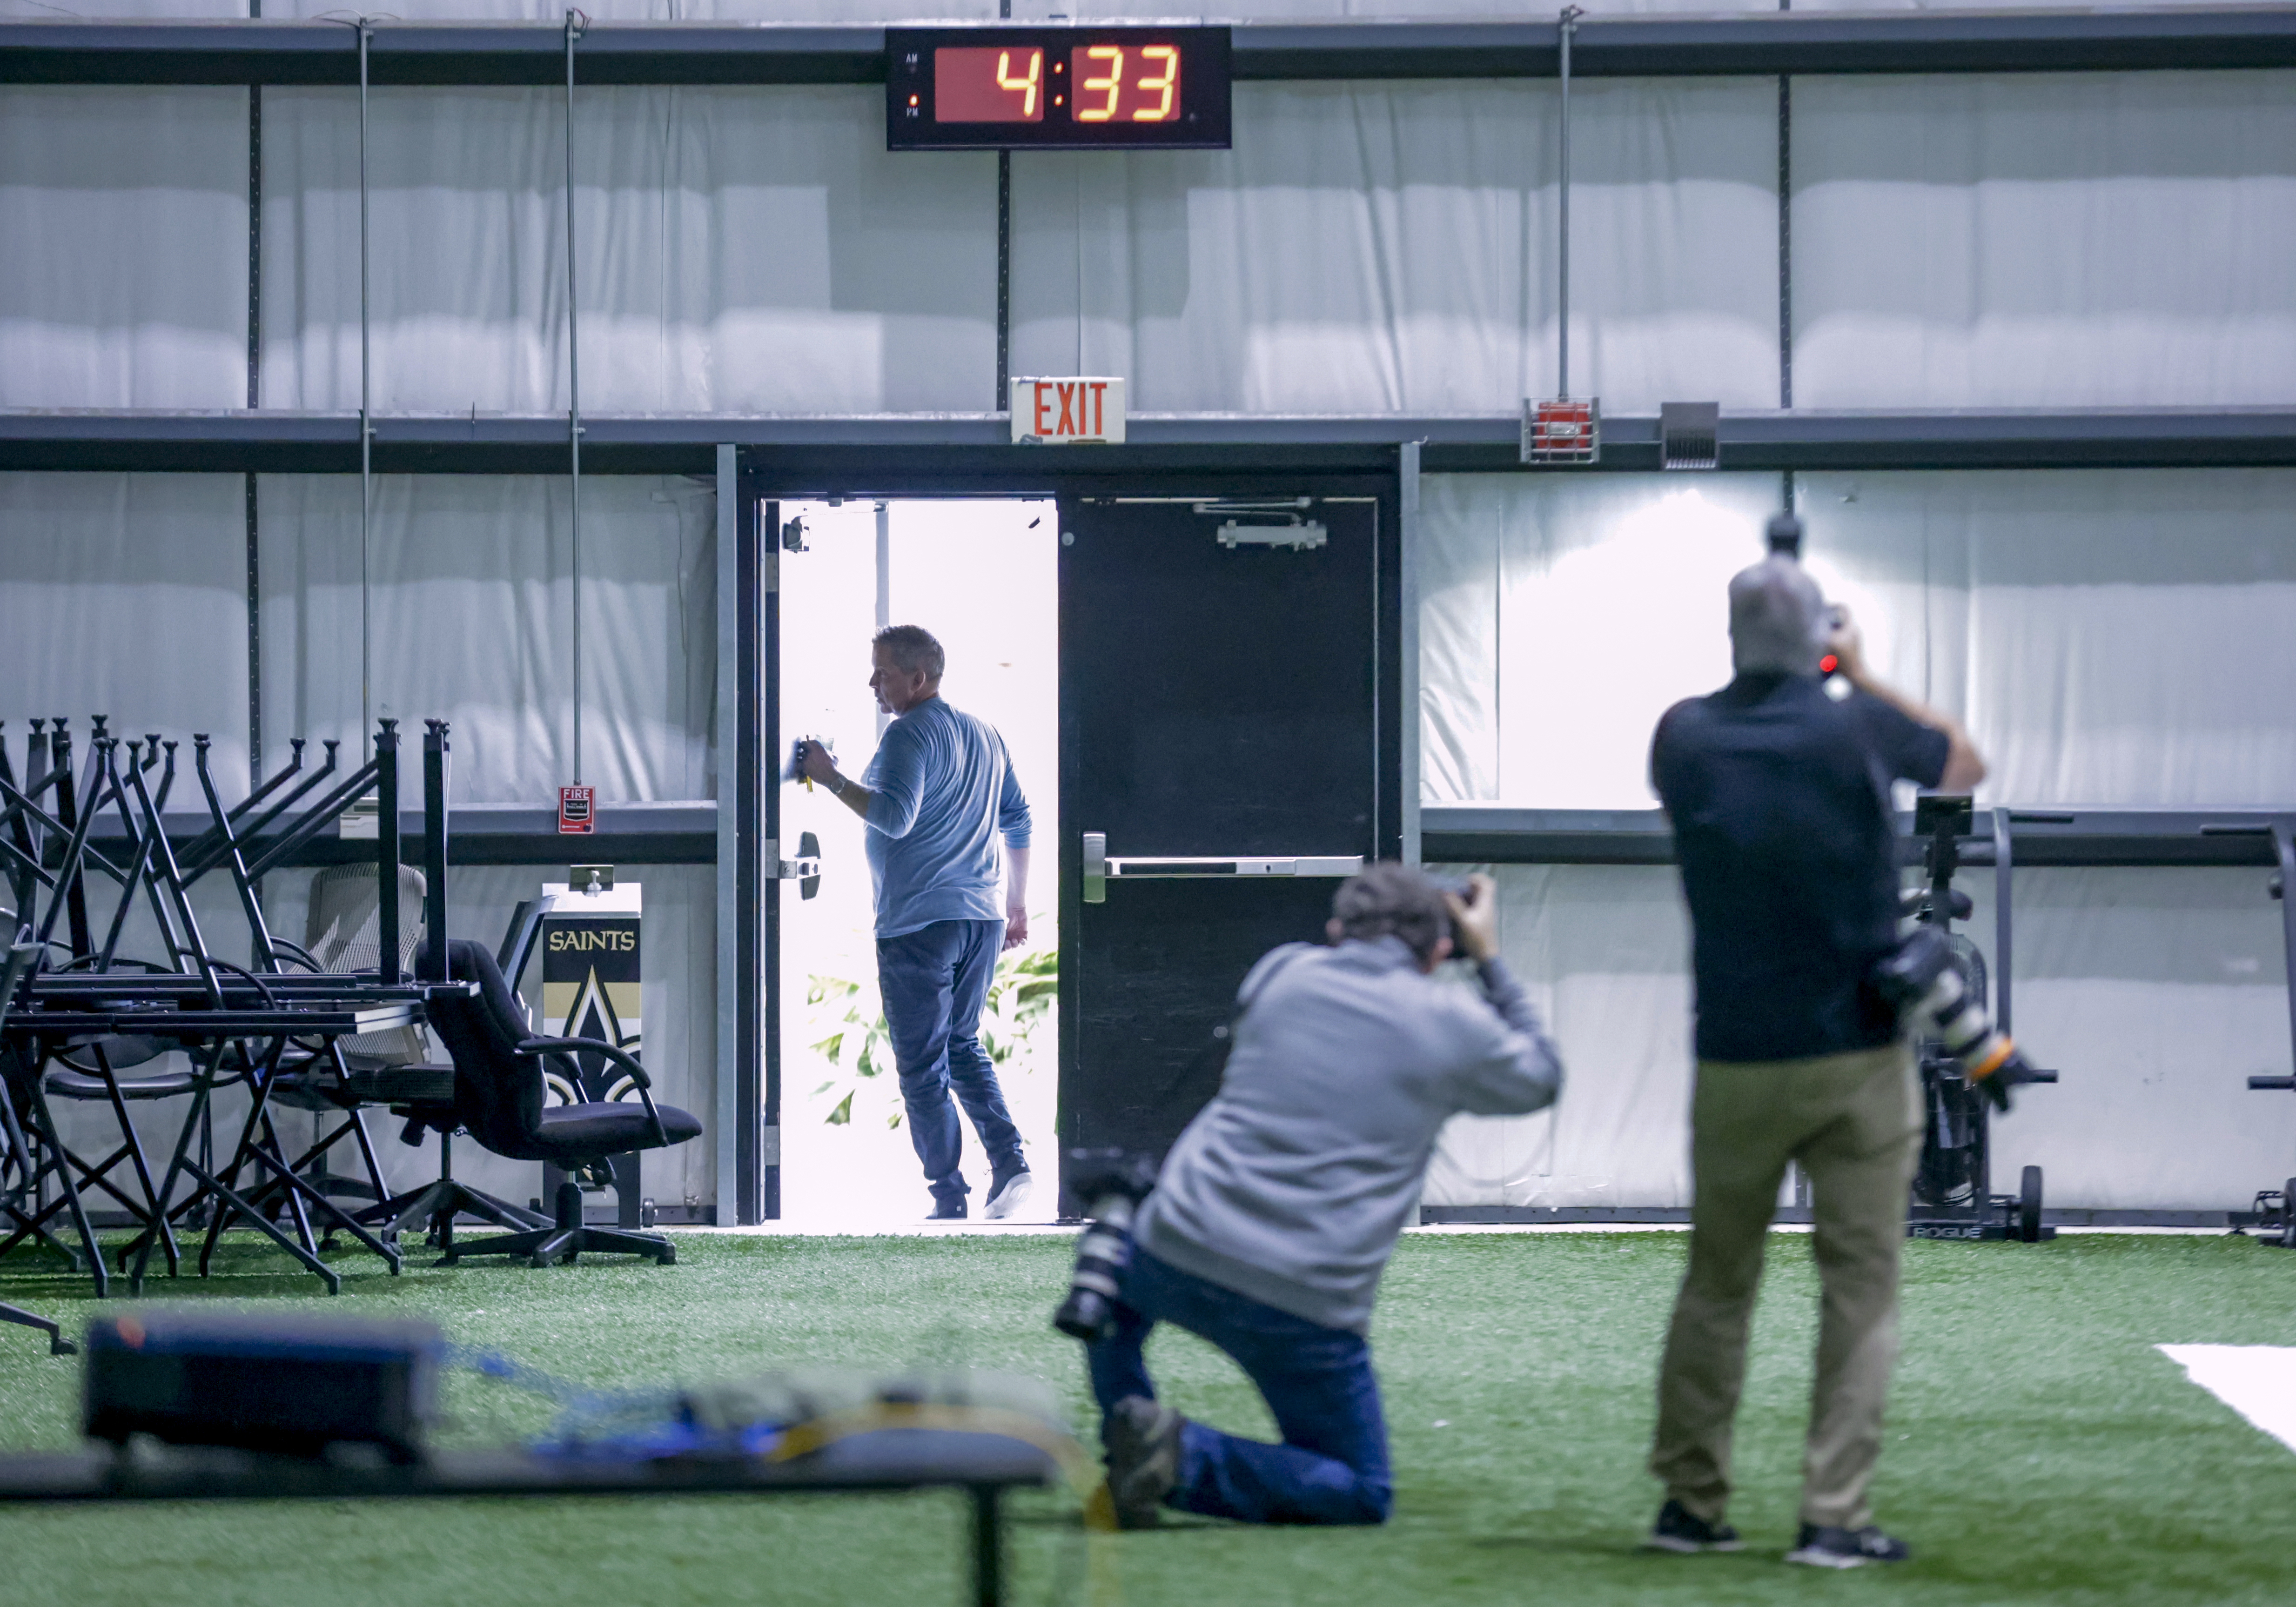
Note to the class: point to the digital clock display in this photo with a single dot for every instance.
(1036, 88)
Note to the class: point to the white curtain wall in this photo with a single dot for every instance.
(886, 11)
(1373, 248)
(127, 595)
(2112, 639)
(469, 617)
(742, 250)
(123, 247)
(2026, 240)
(2069, 240)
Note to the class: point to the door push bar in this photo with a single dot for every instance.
(1098, 868)
(805, 870)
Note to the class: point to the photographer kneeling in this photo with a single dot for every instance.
(1275, 1212)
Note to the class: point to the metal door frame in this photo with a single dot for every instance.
(752, 483)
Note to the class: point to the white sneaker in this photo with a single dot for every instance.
(1008, 1197)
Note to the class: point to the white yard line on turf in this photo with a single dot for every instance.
(2258, 1382)
(920, 1230)
(939, 1230)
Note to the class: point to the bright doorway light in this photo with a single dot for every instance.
(982, 577)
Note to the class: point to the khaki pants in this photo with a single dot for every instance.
(1854, 1121)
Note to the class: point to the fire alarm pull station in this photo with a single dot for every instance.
(577, 810)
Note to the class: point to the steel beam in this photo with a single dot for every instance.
(848, 455)
(1479, 834)
(628, 833)
(686, 832)
(63, 51)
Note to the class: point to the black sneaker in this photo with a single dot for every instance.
(1819, 1545)
(948, 1210)
(1143, 1458)
(1678, 1529)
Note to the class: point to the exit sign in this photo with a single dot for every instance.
(1078, 411)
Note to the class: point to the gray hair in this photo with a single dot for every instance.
(1777, 619)
(1391, 898)
(913, 649)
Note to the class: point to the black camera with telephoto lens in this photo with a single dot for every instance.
(1112, 1183)
(1928, 986)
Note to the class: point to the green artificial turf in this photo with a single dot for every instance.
(2040, 1448)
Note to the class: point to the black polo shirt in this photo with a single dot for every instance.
(1780, 801)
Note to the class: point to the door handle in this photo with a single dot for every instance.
(1175, 867)
(805, 870)
(1095, 867)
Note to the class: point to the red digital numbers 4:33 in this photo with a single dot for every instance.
(1057, 88)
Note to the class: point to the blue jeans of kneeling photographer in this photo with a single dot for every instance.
(1332, 1467)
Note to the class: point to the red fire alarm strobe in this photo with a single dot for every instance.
(1565, 430)
(577, 810)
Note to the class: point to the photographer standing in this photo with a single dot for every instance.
(935, 799)
(1278, 1207)
(1779, 800)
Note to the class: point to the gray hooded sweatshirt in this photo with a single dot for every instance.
(1292, 1184)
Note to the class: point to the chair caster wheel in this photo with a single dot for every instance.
(538, 1261)
(668, 1257)
(449, 1261)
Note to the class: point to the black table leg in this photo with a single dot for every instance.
(988, 1546)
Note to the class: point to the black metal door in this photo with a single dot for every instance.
(1221, 703)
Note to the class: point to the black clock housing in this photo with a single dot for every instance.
(992, 87)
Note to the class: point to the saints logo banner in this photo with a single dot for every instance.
(590, 958)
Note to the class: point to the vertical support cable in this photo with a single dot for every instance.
(884, 586)
(1785, 256)
(1004, 282)
(1570, 27)
(254, 401)
(1003, 262)
(1408, 647)
(730, 1031)
(574, 20)
(1785, 241)
(366, 421)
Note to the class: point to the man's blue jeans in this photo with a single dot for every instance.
(935, 981)
(1332, 1467)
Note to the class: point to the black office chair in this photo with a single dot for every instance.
(498, 1067)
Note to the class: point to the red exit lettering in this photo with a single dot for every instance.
(1053, 410)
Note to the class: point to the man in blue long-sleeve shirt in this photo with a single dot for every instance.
(935, 799)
